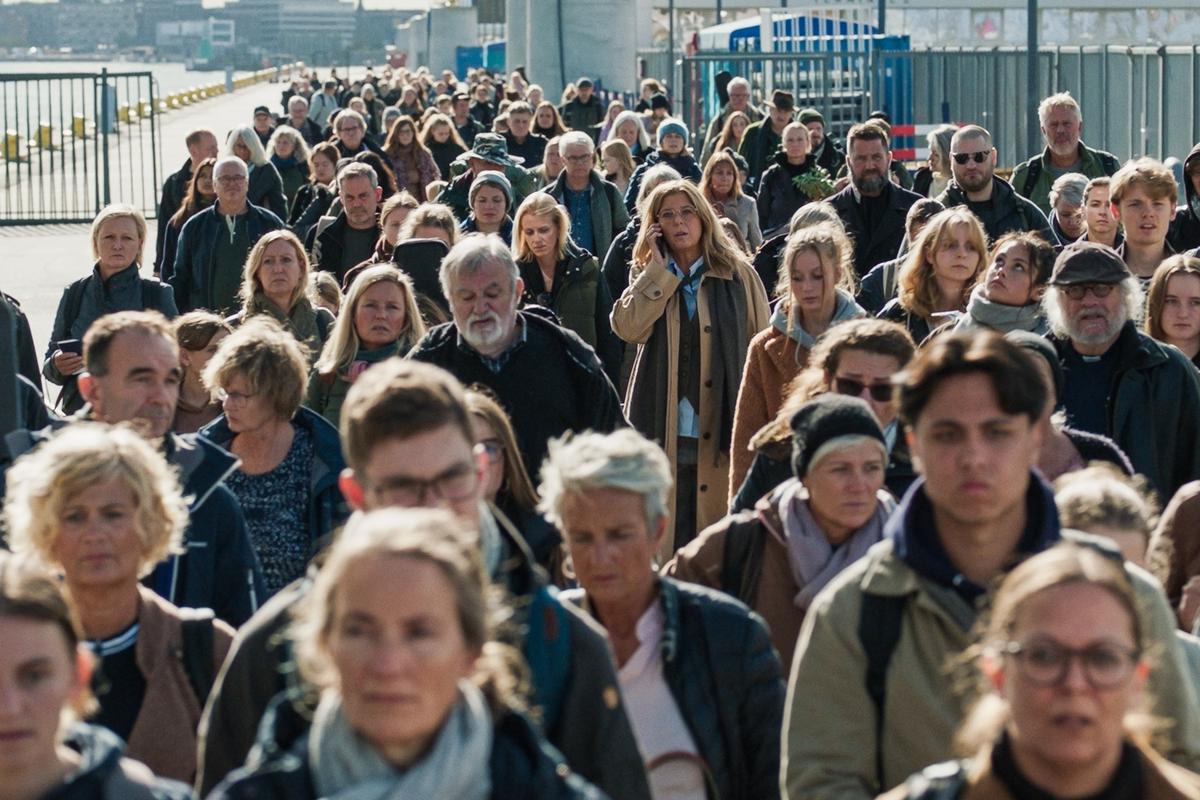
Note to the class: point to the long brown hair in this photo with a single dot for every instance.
(193, 202)
(1156, 297)
(916, 287)
(725, 138)
(557, 129)
(395, 150)
(517, 484)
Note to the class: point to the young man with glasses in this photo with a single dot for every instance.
(408, 442)
(975, 185)
(871, 699)
(1119, 382)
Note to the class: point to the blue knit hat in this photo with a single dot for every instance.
(671, 125)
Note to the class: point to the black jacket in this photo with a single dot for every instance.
(329, 244)
(367, 144)
(189, 274)
(551, 382)
(174, 189)
(444, 154)
(580, 116)
(726, 679)
(266, 190)
(309, 131)
(878, 286)
(531, 151)
(27, 360)
(882, 242)
(778, 197)
(766, 261)
(1005, 212)
(522, 767)
(103, 774)
(683, 163)
(312, 202)
(916, 325)
(832, 157)
(620, 256)
(1185, 228)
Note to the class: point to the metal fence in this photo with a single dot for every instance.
(1135, 101)
(73, 141)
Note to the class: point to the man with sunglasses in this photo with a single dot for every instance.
(1118, 381)
(409, 443)
(871, 698)
(974, 184)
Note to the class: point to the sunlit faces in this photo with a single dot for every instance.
(1062, 128)
(360, 200)
(540, 232)
(1101, 224)
(380, 315)
(399, 650)
(140, 385)
(245, 410)
(1071, 219)
(97, 543)
(975, 456)
(628, 133)
(738, 127)
(811, 292)
(1145, 218)
(1010, 278)
(119, 244)
(519, 124)
(681, 226)
(724, 177)
(392, 224)
(204, 182)
(241, 150)
(324, 169)
(1181, 311)
(955, 259)
(494, 476)
(672, 144)
(489, 205)
(842, 488)
(610, 543)
(194, 361)
(232, 185)
(974, 175)
(284, 147)
(1073, 723)
(796, 144)
(869, 161)
(279, 272)
(350, 132)
(484, 304)
(1093, 320)
(871, 373)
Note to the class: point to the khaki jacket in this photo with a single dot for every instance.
(651, 294)
(829, 738)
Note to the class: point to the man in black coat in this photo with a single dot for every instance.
(350, 239)
(201, 144)
(297, 118)
(583, 110)
(872, 207)
(824, 149)
(547, 378)
(522, 142)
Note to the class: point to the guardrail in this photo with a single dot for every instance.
(71, 142)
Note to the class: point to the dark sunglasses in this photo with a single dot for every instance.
(880, 392)
(1076, 291)
(978, 158)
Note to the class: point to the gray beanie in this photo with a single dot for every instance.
(496, 179)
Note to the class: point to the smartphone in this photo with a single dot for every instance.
(71, 346)
(661, 244)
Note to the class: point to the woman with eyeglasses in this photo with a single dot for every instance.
(1062, 663)
(563, 277)
(808, 529)
(291, 457)
(507, 485)
(816, 287)
(692, 306)
(856, 358)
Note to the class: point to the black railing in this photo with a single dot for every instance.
(71, 142)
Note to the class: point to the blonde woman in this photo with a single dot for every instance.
(275, 283)
(816, 287)
(618, 163)
(430, 221)
(690, 291)
(936, 280)
(101, 506)
(719, 183)
(381, 320)
(449, 724)
(266, 186)
(563, 277)
(289, 153)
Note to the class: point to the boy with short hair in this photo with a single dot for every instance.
(1143, 195)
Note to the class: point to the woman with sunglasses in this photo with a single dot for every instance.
(812, 526)
(856, 358)
(563, 277)
(816, 291)
(1061, 664)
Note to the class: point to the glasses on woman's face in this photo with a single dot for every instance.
(1045, 662)
(1076, 291)
(234, 398)
(685, 214)
(880, 392)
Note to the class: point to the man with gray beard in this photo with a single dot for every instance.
(872, 208)
(548, 379)
(1118, 381)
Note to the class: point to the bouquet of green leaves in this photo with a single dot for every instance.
(815, 183)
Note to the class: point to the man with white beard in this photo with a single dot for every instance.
(548, 379)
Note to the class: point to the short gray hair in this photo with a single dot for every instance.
(1068, 187)
(623, 459)
(738, 81)
(297, 100)
(1131, 293)
(357, 169)
(224, 160)
(349, 114)
(1060, 100)
(576, 137)
(473, 253)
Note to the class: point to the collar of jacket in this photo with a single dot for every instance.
(1002, 194)
(202, 465)
(1135, 350)
(118, 281)
(889, 190)
(327, 448)
(1087, 156)
(559, 187)
(912, 531)
(157, 624)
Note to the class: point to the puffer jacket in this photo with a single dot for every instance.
(522, 767)
(104, 774)
(830, 745)
(1185, 228)
(1005, 212)
(683, 163)
(724, 676)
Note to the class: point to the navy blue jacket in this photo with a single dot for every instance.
(326, 507)
(684, 163)
(189, 271)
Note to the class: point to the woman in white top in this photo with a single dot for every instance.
(707, 715)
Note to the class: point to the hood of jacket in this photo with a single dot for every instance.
(1190, 165)
(913, 534)
(327, 448)
(683, 162)
(844, 308)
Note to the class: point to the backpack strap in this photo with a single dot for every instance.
(879, 624)
(741, 561)
(198, 651)
(1031, 177)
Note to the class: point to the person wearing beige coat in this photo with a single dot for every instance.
(718, 304)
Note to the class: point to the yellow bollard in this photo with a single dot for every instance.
(12, 146)
(123, 112)
(45, 136)
(162, 106)
(143, 107)
(173, 100)
(79, 126)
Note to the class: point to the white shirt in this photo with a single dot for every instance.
(657, 723)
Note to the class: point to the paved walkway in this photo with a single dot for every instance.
(36, 263)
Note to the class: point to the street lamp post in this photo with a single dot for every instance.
(1032, 126)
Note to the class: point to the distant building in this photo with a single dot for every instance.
(308, 29)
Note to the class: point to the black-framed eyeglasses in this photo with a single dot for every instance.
(978, 158)
(880, 392)
(1076, 291)
(1046, 662)
(456, 483)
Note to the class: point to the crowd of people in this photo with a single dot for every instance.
(459, 444)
